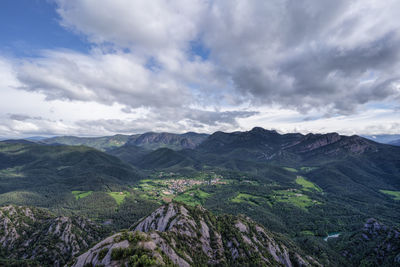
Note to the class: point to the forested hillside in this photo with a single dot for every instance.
(316, 190)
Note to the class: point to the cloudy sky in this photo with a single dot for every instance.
(101, 67)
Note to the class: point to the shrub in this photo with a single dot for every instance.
(103, 253)
(117, 253)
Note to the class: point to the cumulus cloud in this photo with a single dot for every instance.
(105, 78)
(307, 54)
(145, 25)
(297, 54)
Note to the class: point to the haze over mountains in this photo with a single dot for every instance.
(384, 138)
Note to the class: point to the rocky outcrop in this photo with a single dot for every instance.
(187, 236)
(333, 144)
(35, 234)
(314, 141)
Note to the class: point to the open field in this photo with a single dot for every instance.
(307, 185)
(290, 169)
(294, 197)
(241, 197)
(251, 199)
(118, 196)
(308, 169)
(193, 197)
(394, 194)
(81, 194)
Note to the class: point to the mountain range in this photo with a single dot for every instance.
(147, 140)
(298, 188)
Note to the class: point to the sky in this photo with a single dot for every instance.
(103, 67)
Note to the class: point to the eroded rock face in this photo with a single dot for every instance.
(30, 233)
(189, 236)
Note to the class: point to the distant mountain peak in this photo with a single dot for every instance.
(262, 130)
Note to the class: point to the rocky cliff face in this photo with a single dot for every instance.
(261, 144)
(34, 234)
(186, 236)
(333, 144)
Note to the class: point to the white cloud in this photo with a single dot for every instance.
(104, 78)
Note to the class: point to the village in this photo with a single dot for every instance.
(170, 187)
(181, 185)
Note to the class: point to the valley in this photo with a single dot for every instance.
(307, 188)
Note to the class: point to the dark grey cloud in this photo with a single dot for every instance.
(169, 120)
(318, 54)
(23, 117)
(327, 76)
(205, 117)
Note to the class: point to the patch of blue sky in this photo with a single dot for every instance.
(198, 50)
(153, 65)
(382, 105)
(27, 26)
(369, 77)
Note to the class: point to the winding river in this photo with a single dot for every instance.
(331, 235)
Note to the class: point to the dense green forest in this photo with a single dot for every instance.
(304, 187)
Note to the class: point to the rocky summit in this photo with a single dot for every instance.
(179, 235)
(35, 236)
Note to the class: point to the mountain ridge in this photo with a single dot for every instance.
(148, 140)
(188, 236)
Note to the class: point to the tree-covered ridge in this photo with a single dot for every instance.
(70, 180)
(147, 141)
(32, 165)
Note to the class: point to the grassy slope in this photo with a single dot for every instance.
(119, 197)
(81, 194)
(394, 194)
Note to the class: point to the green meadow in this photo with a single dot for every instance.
(295, 198)
(394, 194)
(290, 169)
(81, 194)
(118, 196)
(193, 197)
(307, 185)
